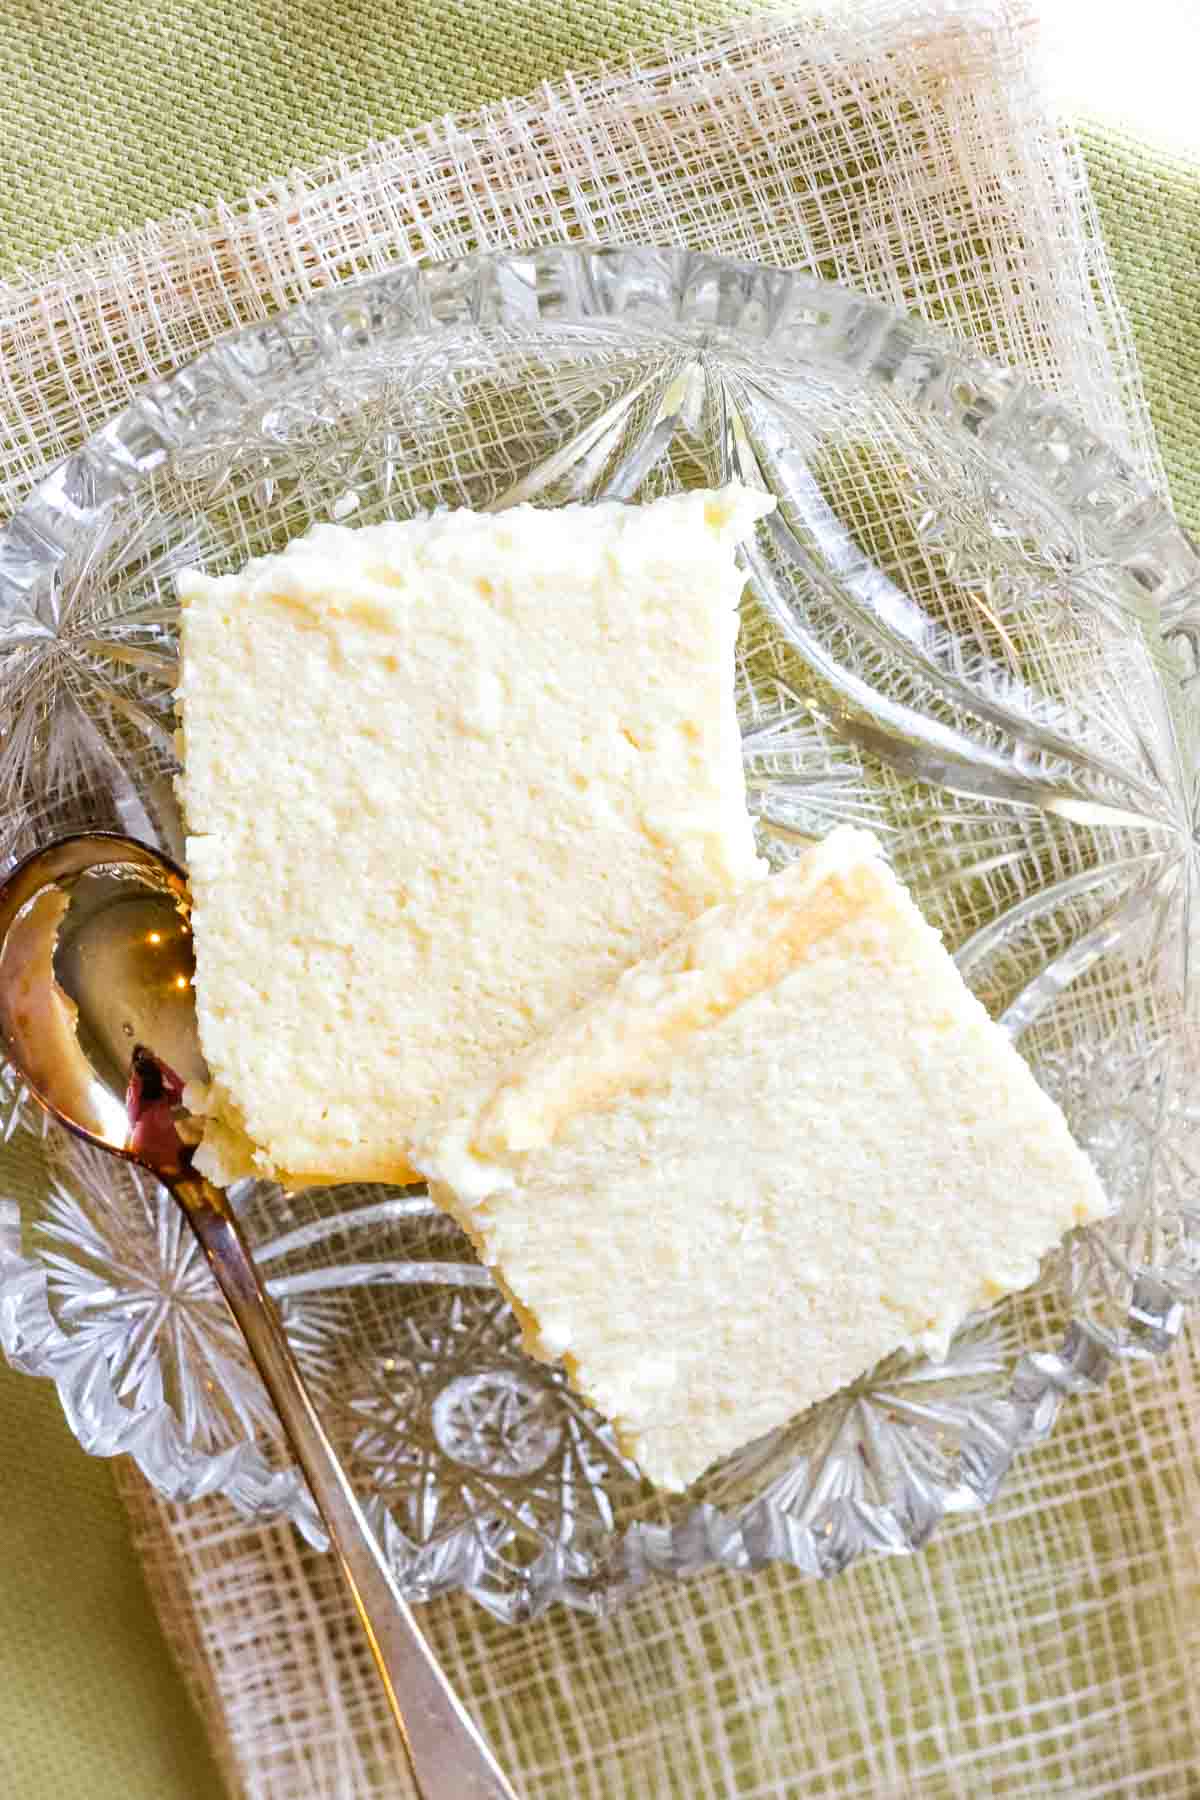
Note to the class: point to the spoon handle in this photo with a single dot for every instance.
(448, 1757)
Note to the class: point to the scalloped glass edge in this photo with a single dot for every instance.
(799, 316)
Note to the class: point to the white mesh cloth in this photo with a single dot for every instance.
(910, 150)
(1048, 1649)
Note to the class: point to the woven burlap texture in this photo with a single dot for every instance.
(909, 150)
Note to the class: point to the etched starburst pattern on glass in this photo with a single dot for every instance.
(967, 626)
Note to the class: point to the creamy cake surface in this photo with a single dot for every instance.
(766, 1157)
(443, 779)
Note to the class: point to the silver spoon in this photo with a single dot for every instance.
(97, 1014)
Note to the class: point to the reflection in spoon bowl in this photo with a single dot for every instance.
(95, 958)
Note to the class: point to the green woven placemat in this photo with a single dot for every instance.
(91, 1707)
(112, 113)
(1149, 204)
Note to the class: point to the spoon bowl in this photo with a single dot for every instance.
(97, 1013)
(96, 961)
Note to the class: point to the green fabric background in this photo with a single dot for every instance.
(1149, 204)
(181, 102)
(90, 1705)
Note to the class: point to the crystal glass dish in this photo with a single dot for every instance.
(968, 625)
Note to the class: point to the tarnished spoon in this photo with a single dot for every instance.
(97, 1014)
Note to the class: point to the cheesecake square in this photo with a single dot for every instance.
(764, 1158)
(443, 779)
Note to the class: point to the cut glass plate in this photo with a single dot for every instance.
(968, 625)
